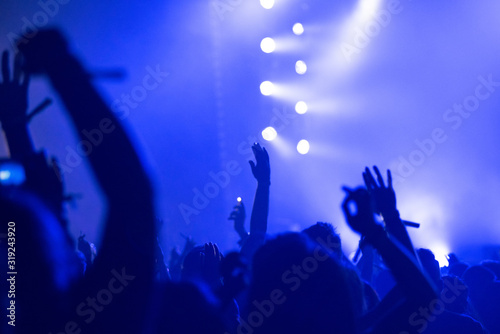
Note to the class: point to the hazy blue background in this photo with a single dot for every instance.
(368, 108)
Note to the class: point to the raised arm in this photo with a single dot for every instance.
(113, 159)
(261, 170)
(13, 106)
(384, 201)
(417, 290)
(238, 215)
(127, 251)
(39, 175)
(111, 155)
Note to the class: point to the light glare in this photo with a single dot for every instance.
(441, 254)
(300, 67)
(298, 29)
(303, 146)
(368, 7)
(266, 88)
(267, 4)
(268, 45)
(4, 175)
(269, 133)
(301, 107)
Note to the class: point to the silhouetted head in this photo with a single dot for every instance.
(457, 269)
(492, 265)
(431, 266)
(202, 265)
(297, 287)
(45, 261)
(484, 292)
(478, 278)
(325, 234)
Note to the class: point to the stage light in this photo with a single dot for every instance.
(266, 88)
(303, 146)
(368, 7)
(268, 45)
(269, 133)
(300, 67)
(4, 175)
(11, 173)
(301, 107)
(267, 4)
(298, 29)
(441, 254)
(238, 199)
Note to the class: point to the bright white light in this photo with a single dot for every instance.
(267, 4)
(238, 199)
(268, 45)
(267, 88)
(368, 7)
(303, 146)
(301, 107)
(298, 29)
(12, 173)
(440, 253)
(4, 175)
(367, 12)
(300, 67)
(269, 133)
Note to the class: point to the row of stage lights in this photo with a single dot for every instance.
(268, 45)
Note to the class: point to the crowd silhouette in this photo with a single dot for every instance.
(287, 283)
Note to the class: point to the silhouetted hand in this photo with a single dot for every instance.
(13, 91)
(85, 247)
(383, 198)
(238, 215)
(453, 259)
(261, 170)
(358, 211)
(188, 246)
